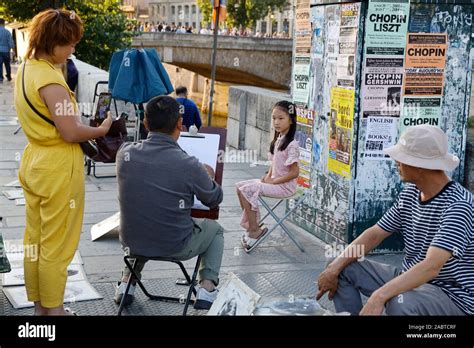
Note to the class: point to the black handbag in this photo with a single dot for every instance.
(89, 147)
(108, 145)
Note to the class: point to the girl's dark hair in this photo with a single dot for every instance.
(290, 109)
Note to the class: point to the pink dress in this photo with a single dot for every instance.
(281, 162)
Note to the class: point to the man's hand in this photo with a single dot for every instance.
(327, 282)
(210, 171)
(374, 306)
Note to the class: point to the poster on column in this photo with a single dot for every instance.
(317, 24)
(420, 110)
(303, 28)
(424, 64)
(332, 21)
(304, 137)
(346, 70)
(347, 45)
(387, 23)
(350, 15)
(301, 80)
(381, 133)
(340, 131)
(317, 51)
(382, 86)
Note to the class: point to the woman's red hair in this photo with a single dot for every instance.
(51, 28)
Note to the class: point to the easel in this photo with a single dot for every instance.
(213, 214)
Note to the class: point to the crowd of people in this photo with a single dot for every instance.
(164, 27)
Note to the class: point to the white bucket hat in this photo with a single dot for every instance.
(424, 146)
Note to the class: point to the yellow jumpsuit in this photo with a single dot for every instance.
(52, 176)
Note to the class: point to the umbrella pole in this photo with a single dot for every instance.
(138, 111)
(214, 58)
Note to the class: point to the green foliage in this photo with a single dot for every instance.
(24, 10)
(245, 13)
(106, 29)
(242, 13)
(206, 10)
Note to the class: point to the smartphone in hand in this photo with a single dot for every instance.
(103, 106)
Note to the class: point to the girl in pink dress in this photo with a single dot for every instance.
(280, 180)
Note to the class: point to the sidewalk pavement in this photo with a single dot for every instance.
(275, 268)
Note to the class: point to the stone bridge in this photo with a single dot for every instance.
(240, 60)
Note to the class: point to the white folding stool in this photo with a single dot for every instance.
(298, 199)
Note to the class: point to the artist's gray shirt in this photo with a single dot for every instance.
(157, 182)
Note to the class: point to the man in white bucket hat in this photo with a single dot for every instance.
(435, 216)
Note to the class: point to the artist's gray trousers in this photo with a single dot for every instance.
(364, 277)
(207, 240)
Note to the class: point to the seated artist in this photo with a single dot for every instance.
(435, 216)
(157, 183)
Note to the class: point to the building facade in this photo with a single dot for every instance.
(278, 22)
(186, 12)
(136, 9)
(180, 12)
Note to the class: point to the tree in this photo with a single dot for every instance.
(206, 10)
(245, 13)
(106, 29)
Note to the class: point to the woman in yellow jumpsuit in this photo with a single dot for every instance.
(52, 166)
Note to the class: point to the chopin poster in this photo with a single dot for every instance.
(301, 83)
(424, 64)
(340, 131)
(383, 73)
(303, 27)
(382, 86)
(420, 110)
(387, 24)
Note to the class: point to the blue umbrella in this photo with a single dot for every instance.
(137, 75)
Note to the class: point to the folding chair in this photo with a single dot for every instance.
(191, 282)
(298, 198)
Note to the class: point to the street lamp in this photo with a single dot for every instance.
(216, 6)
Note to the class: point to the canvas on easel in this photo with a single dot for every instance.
(212, 214)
